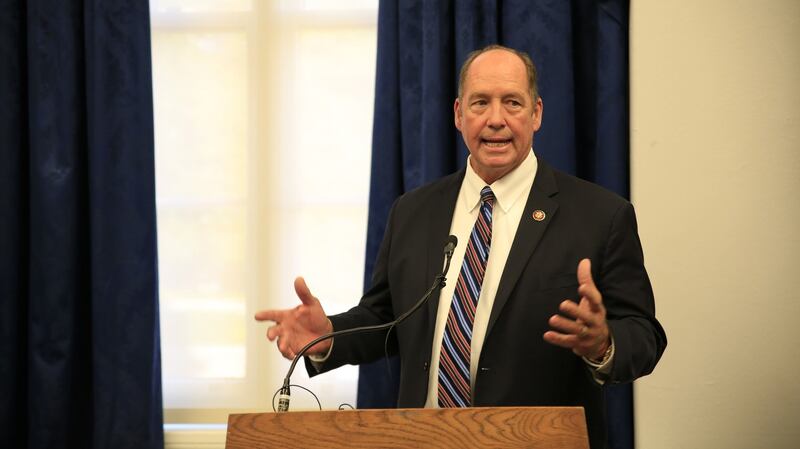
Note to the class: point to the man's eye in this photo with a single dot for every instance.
(479, 103)
(514, 103)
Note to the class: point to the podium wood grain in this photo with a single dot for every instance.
(490, 427)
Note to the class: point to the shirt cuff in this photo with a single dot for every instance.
(318, 360)
(600, 371)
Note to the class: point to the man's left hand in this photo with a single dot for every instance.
(583, 327)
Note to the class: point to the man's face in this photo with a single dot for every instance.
(496, 115)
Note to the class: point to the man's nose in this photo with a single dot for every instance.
(496, 118)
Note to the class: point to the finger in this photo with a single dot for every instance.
(290, 353)
(283, 347)
(579, 347)
(574, 311)
(587, 287)
(585, 272)
(591, 294)
(303, 292)
(270, 315)
(565, 325)
(596, 309)
(274, 332)
(570, 309)
(564, 340)
(577, 313)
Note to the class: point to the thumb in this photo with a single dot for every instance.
(585, 273)
(303, 292)
(586, 288)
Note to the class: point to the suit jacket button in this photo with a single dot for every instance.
(425, 366)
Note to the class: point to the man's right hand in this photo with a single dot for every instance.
(294, 328)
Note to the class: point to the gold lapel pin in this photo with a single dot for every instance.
(539, 215)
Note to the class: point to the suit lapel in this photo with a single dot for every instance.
(440, 216)
(529, 234)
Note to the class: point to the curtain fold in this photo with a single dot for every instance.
(78, 259)
(581, 51)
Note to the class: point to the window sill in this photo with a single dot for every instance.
(191, 436)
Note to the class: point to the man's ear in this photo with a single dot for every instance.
(538, 109)
(457, 113)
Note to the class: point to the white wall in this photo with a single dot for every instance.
(715, 109)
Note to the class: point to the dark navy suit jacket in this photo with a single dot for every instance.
(517, 367)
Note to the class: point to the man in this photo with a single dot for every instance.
(504, 330)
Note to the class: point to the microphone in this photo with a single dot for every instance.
(452, 242)
(439, 282)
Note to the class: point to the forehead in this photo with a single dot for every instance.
(496, 70)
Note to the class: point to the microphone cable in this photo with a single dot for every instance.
(440, 280)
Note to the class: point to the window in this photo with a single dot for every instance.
(263, 114)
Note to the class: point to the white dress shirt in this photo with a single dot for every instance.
(511, 194)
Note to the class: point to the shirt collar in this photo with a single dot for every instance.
(507, 190)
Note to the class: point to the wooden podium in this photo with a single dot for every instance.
(489, 427)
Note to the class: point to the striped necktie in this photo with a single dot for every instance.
(454, 360)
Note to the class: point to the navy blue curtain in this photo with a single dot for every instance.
(79, 337)
(581, 51)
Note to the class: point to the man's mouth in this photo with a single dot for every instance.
(495, 142)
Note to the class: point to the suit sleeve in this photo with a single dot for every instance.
(639, 339)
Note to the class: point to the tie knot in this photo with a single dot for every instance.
(487, 195)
